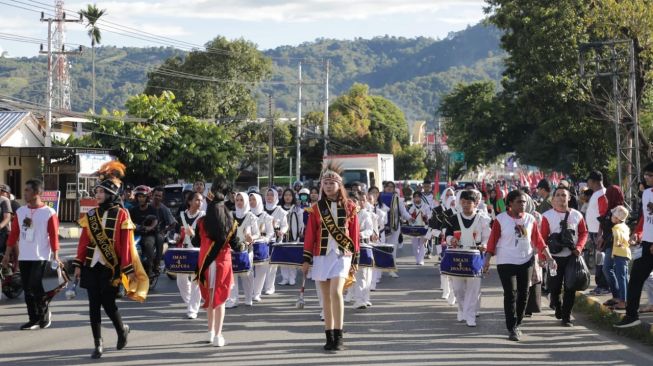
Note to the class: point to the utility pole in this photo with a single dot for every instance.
(60, 67)
(290, 173)
(614, 60)
(299, 125)
(326, 111)
(270, 143)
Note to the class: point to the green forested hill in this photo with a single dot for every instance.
(412, 72)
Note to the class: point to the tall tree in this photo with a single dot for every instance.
(92, 15)
(214, 83)
(475, 124)
(545, 107)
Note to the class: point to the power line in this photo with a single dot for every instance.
(143, 35)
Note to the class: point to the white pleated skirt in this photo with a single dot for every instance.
(326, 267)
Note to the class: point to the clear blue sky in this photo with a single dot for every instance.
(268, 23)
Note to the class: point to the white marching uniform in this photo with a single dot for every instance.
(449, 203)
(361, 287)
(249, 225)
(189, 289)
(295, 219)
(420, 215)
(266, 232)
(279, 222)
(393, 237)
(381, 215)
(467, 290)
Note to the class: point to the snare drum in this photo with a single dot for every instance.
(366, 256)
(383, 259)
(181, 260)
(287, 254)
(415, 231)
(261, 252)
(240, 262)
(462, 263)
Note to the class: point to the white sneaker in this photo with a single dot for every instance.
(471, 324)
(368, 304)
(268, 292)
(283, 282)
(191, 315)
(231, 304)
(211, 336)
(248, 303)
(420, 263)
(291, 283)
(257, 299)
(219, 341)
(322, 315)
(394, 275)
(359, 305)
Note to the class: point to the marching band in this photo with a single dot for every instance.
(344, 241)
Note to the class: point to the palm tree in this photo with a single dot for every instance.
(92, 14)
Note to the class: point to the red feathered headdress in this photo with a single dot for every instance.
(112, 170)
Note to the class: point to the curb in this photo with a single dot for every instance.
(606, 317)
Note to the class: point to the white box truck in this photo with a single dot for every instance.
(369, 169)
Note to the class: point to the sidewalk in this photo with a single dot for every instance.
(605, 316)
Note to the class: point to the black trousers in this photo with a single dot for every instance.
(97, 282)
(31, 274)
(152, 247)
(555, 286)
(514, 280)
(642, 267)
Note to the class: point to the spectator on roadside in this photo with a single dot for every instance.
(617, 257)
(543, 193)
(585, 195)
(199, 187)
(597, 207)
(6, 213)
(643, 265)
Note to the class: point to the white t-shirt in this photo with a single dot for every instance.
(35, 242)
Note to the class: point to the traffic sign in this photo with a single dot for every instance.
(457, 156)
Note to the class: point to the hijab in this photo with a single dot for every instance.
(271, 206)
(259, 204)
(241, 212)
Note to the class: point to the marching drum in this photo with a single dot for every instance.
(181, 260)
(240, 262)
(366, 256)
(383, 258)
(261, 252)
(462, 263)
(416, 231)
(287, 254)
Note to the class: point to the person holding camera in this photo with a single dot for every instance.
(566, 234)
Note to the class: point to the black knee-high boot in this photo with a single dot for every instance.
(121, 329)
(329, 340)
(337, 340)
(96, 328)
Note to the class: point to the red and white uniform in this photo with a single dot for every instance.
(37, 242)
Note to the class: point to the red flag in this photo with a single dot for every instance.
(436, 185)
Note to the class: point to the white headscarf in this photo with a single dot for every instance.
(259, 204)
(271, 206)
(241, 212)
(446, 201)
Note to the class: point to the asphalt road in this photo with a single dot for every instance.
(408, 324)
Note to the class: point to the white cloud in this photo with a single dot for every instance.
(283, 10)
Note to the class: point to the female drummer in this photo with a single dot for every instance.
(420, 213)
(189, 289)
(331, 245)
(246, 233)
(513, 239)
(280, 224)
(294, 217)
(266, 232)
(216, 236)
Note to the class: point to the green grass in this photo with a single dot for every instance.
(604, 318)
